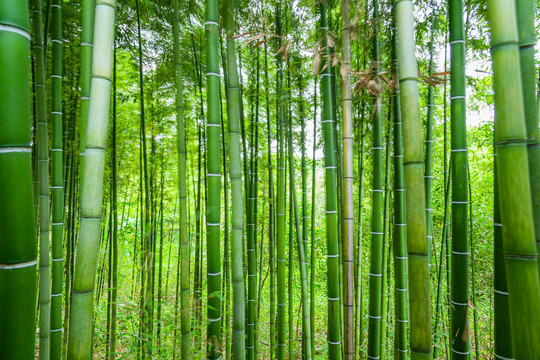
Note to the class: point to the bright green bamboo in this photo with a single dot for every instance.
(348, 194)
(114, 209)
(185, 250)
(417, 245)
(305, 216)
(286, 130)
(213, 217)
(18, 250)
(473, 268)
(386, 235)
(147, 261)
(290, 269)
(306, 326)
(359, 288)
(251, 267)
(237, 199)
(526, 14)
(80, 321)
(304, 204)
(519, 247)
(377, 226)
(197, 291)
(444, 253)
(438, 305)
(226, 283)
(253, 198)
(459, 330)
(502, 327)
(428, 170)
(313, 198)
(43, 178)
(281, 199)
(271, 213)
(327, 121)
(57, 182)
(87, 48)
(399, 235)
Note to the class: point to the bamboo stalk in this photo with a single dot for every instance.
(237, 199)
(80, 337)
(57, 182)
(327, 121)
(43, 187)
(18, 250)
(417, 244)
(348, 195)
(526, 10)
(459, 316)
(519, 246)
(213, 178)
(401, 350)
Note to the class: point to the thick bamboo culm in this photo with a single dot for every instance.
(526, 10)
(518, 244)
(18, 246)
(417, 244)
(80, 320)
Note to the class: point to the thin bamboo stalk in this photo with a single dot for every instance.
(281, 199)
(327, 121)
(57, 182)
(348, 195)
(43, 187)
(459, 327)
(114, 211)
(377, 226)
(237, 199)
(399, 235)
(213, 178)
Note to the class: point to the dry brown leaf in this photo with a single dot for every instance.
(315, 64)
(344, 70)
(259, 43)
(282, 48)
(335, 61)
(444, 73)
(242, 35)
(330, 41)
(253, 38)
(325, 66)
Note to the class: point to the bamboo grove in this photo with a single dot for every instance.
(271, 179)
